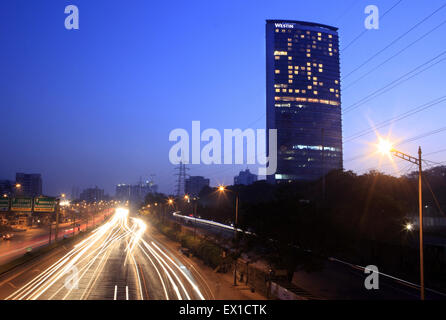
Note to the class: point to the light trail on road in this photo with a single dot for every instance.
(114, 262)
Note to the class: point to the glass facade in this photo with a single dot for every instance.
(303, 98)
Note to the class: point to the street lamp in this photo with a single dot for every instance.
(18, 188)
(171, 203)
(222, 189)
(194, 208)
(386, 147)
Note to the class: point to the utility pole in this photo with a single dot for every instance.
(195, 216)
(418, 161)
(223, 189)
(74, 223)
(235, 237)
(420, 200)
(50, 224)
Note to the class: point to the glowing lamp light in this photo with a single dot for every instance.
(64, 203)
(385, 146)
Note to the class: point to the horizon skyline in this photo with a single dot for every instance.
(106, 78)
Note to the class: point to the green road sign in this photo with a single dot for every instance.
(22, 204)
(4, 204)
(44, 204)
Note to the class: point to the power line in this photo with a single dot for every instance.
(439, 151)
(365, 30)
(421, 136)
(396, 82)
(418, 137)
(433, 163)
(395, 41)
(349, 7)
(400, 117)
(433, 194)
(404, 171)
(394, 56)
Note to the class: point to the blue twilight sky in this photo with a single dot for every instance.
(95, 106)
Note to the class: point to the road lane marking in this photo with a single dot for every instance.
(91, 261)
(163, 263)
(159, 274)
(188, 277)
(126, 292)
(116, 292)
(188, 260)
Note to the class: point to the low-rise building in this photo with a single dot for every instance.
(245, 178)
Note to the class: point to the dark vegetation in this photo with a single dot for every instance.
(359, 218)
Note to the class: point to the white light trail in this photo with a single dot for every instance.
(90, 256)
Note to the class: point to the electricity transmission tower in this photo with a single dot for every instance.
(181, 179)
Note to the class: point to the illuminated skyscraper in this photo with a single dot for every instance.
(303, 98)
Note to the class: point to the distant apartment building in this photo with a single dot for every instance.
(92, 195)
(6, 187)
(75, 193)
(136, 192)
(245, 178)
(194, 184)
(29, 185)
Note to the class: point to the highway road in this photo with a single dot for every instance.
(37, 237)
(119, 260)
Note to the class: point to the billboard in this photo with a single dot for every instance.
(44, 204)
(4, 204)
(22, 204)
